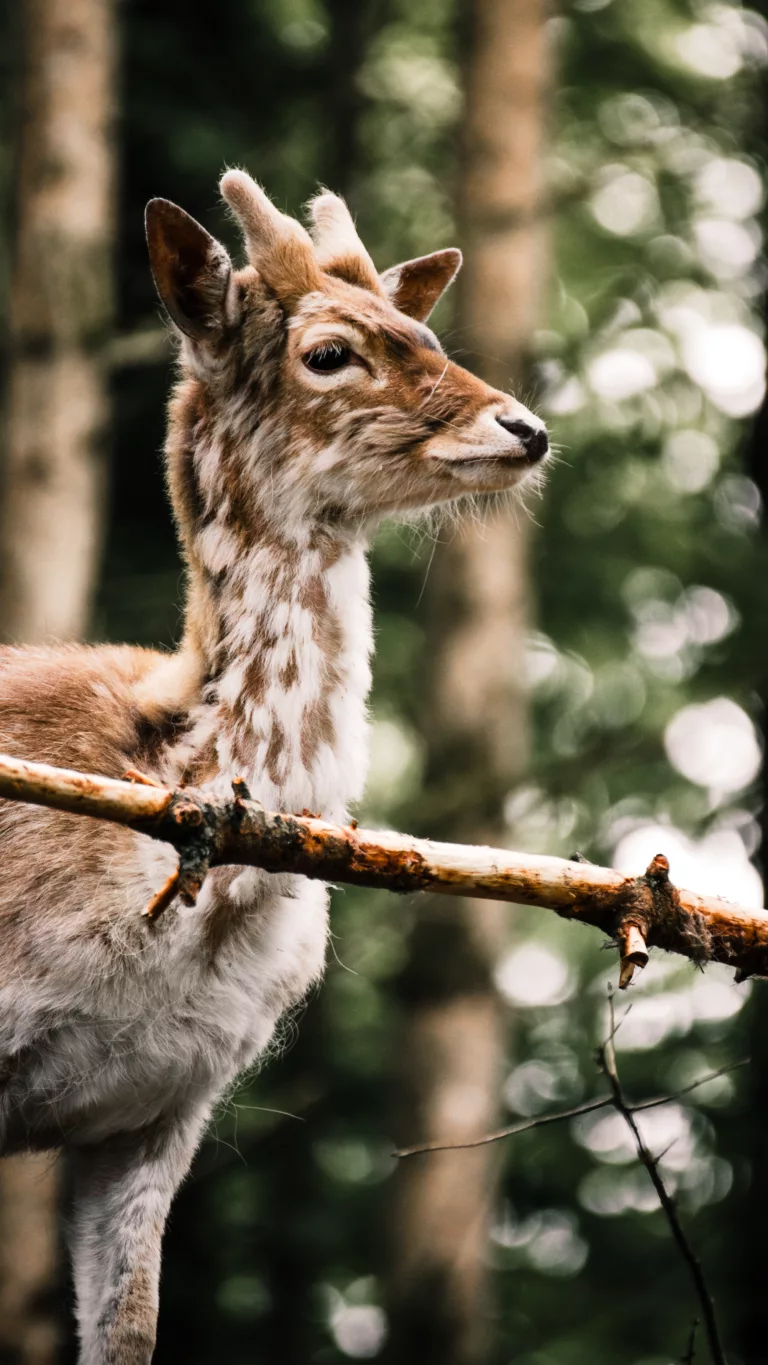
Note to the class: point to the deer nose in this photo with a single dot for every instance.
(534, 440)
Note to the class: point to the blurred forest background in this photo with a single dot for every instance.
(590, 674)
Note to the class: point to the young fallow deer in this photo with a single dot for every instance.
(312, 401)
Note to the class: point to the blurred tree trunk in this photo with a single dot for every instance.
(60, 313)
(29, 1260)
(54, 470)
(475, 724)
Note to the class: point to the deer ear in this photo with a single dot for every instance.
(191, 270)
(415, 286)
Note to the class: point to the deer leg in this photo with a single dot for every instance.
(123, 1189)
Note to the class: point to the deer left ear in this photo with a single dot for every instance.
(415, 286)
(191, 270)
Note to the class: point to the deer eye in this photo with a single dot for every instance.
(328, 358)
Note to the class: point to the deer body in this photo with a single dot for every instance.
(312, 401)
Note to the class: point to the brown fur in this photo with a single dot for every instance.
(117, 1035)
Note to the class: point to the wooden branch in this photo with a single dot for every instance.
(209, 831)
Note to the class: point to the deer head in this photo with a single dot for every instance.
(330, 397)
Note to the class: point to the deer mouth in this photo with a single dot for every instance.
(509, 459)
(503, 468)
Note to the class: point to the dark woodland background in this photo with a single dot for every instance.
(590, 675)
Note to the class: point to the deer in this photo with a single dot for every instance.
(311, 401)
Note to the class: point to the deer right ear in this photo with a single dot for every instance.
(191, 270)
(415, 286)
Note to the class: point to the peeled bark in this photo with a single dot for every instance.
(476, 726)
(54, 469)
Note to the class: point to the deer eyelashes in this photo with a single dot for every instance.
(328, 358)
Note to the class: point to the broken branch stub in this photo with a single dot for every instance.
(647, 904)
(633, 952)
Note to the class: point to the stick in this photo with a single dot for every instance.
(210, 830)
(607, 1063)
(542, 1119)
(690, 1354)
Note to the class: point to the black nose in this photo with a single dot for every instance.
(534, 440)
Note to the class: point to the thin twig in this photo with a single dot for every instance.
(163, 898)
(690, 1354)
(686, 1089)
(607, 1062)
(506, 1132)
(590, 1107)
(606, 1059)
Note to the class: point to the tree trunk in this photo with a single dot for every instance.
(29, 1253)
(53, 471)
(475, 726)
(60, 312)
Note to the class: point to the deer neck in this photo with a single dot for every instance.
(279, 624)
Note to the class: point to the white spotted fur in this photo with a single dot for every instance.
(117, 1036)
